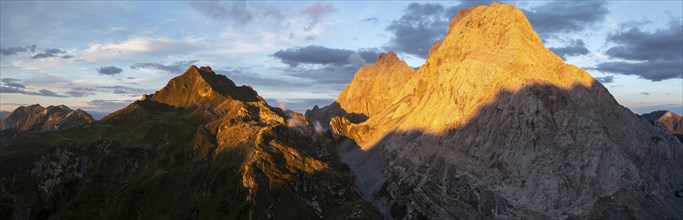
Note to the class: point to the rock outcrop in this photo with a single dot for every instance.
(495, 125)
(37, 118)
(672, 121)
(201, 147)
(372, 89)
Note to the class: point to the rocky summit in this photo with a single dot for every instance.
(668, 119)
(383, 80)
(495, 125)
(199, 148)
(37, 118)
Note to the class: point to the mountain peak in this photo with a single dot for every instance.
(388, 57)
(494, 29)
(199, 85)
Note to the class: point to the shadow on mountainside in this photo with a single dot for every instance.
(155, 161)
(539, 152)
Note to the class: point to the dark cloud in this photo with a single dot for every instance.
(299, 105)
(17, 50)
(81, 92)
(575, 48)
(370, 20)
(12, 83)
(49, 53)
(314, 54)
(419, 27)
(42, 92)
(107, 105)
(635, 44)
(109, 70)
(7, 90)
(654, 55)
(45, 92)
(328, 74)
(125, 90)
(605, 79)
(557, 17)
(656, 70)
(244, 76)
(645, 93)
(174, 68)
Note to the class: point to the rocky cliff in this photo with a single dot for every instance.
(201, 147)
(672, 121)
(37, 118)
(494, 125)
(372, 89)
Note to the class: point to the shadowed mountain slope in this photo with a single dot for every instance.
(495, 125)
(199, 148)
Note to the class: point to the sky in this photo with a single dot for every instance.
(101, 56)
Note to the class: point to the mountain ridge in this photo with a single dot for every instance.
(37, 118)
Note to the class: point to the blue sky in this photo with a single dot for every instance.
(100, 56)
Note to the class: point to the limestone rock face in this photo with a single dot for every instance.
(37, 118)
(201, 147)
(672, 121)
(496, 125)
(372, 89)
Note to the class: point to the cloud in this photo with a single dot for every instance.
(16, 50)
(645, 93)
(42, 92)
(174, 68)
(45, 92)
(237, 13)
(656, 70)
(247, 77)
(328, 74)
(314, 54)
(575, 48)
(81, 92)
(107, 105)
(651, 55)
(49, 53)
(109, 70)
(12, 83)
(557, 17)
(419, 27)
(605, 79)
(373, 20)
(139, 45)
(316, 12)
(125, 90)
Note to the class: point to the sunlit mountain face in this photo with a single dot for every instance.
(341, 110)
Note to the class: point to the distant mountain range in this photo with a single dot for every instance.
(37, 118)
(493, 126)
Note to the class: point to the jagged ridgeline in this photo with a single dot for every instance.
(201, 147)
(495, 125)
(492, 126)
(36, 118)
